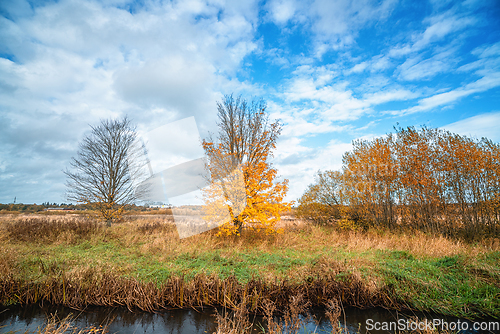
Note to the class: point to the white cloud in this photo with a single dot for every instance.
(335, 24)
(301, 167)
(416, 69)
(485, 83)
(175, 83)
(315, 90)
(489, 60)
(375, 64)
(358, 68)
(300, 122)
(484, 125)
(440, 26)
(389, 95)
(487, 67)
(281, 11)
(487, 51)
(74, 62)
(380, 63)
(333, 102)
(67, 64)
(304, 127)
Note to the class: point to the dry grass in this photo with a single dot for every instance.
(34, 229)
(327, 264)
(8, 259)
(159, 232)
(417, 243)
(157, 236)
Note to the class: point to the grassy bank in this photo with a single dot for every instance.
(141, 263)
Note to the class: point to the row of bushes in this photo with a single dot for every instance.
(428, 179)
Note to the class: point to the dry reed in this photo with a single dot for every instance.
(235, 321)
(79, 292)
(35, 229)
(293, 319)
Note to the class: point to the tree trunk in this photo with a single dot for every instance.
(239, 224)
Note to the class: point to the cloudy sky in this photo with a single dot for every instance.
(332, 71)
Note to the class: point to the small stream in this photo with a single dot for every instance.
(120, 320)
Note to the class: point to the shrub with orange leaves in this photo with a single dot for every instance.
(428, 179)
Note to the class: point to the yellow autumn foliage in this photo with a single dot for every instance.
(243, 191)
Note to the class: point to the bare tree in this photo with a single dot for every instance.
(104, 170)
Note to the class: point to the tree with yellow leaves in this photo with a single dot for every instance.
(239, 155)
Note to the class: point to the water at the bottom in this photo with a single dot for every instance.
(120, 320)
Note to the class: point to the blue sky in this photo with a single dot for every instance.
(332, 71)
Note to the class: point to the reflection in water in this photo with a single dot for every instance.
(120, 320)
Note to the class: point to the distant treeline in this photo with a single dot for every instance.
(32, 208)
(429, 179)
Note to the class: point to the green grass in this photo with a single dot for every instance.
(244, 265)
(443, 285)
